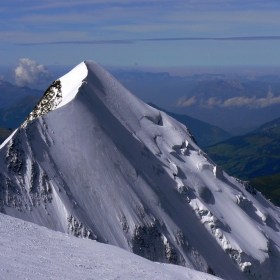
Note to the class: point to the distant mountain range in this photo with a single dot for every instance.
(14, 115)
(221, 100)
(4, 133)
(252, 155)
(269, 186)
(15, 105)
(273, 126)
(227, 102)
(11, 94)
(204, 133)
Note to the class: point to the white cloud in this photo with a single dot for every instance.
(1, 78)
(237, 101)
(212, 102)
(185, 103)
(29, 72)
(252, 102)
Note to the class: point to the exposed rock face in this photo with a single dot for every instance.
(50, 100)
(148, 242)
(247, 186)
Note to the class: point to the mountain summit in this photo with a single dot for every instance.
(94, 161)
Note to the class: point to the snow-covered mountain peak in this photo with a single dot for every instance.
(100, 163)
(65, 89)
(59, 93)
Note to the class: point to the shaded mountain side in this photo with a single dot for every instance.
(269, 186)
(273, 125)
(251, 155)
(16, 114)
(4, 133)
(11, 94)
(205, 134)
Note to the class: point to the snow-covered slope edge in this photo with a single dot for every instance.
(54, 97)
(32, 252)
(108, 166)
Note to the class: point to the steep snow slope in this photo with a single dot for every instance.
(95, 161)
(32, 252)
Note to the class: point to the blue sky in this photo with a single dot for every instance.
(158, 33)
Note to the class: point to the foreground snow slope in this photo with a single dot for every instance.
(95, 161)
(29, 251)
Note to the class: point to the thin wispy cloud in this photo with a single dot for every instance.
(252, 102)
(150, 13)
(109, 42)
(102, 19)
(63, 23)
(29, 38)
(74, 3)
(213, 4)
(252, 38)
(186, 103)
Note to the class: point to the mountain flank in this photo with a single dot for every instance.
(15, 115)
(4, 133)
(269, 186)
(251, 155)
(205, 134)
(11, 94)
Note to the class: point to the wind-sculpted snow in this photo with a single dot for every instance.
(32, 252)
(107, 166)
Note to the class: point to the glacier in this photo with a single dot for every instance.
(94, 161)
